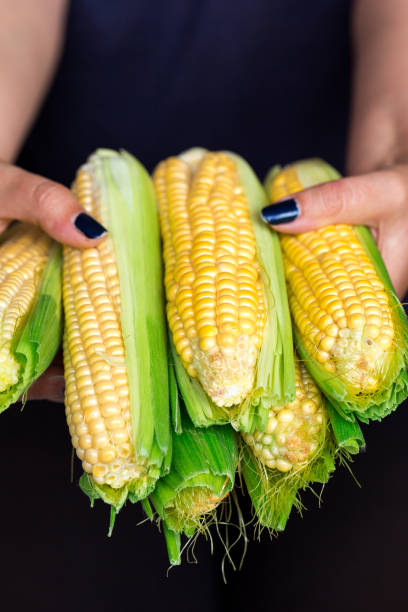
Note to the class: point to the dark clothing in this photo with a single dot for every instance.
(268, 79)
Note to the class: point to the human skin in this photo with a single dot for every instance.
(375, 195)
(376, 192)
(31, 39)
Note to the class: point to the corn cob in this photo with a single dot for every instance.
(202, 474)
(298, 448)
(114, 343)
(30, 308)
(349, 326)
(225, 305)
(294, 432)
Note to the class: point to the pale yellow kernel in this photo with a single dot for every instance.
(207, 331)
(114, 422)
(91, 455)
(308, 407)
(91, 413)
(187, 354)
(285, 416)
(372, 331)
(109, 409)
(100, 440)
(227, 340)
(271, 426)
(96, 426)
(99, 471)
(355, 309)
(89, 401)
(325, 321)
(81, 429)
(267, 455)
(385, 343)
(248, 327)
(327, 343)
(191, 371)
(118, 436)
(322, 356)
(80, 452)
(283, 466)
(182, 343)
(204, 304)
(77, 418)
(356, 321)
(85, 441)
(106, 455)
(332, 330)
(207, 343)
(374, 320)
(87, 467)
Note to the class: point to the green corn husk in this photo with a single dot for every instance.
(38, 334)
(275, 371)
(129, 212)
(274, 493)
(371, 405)
(202, 471)
(202, 474)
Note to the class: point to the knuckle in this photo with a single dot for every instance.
(46, 194)
(399, 182)
(333, 198)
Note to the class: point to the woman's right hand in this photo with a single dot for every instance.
(37, 200)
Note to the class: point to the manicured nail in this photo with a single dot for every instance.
(284, 212)
(89, 226)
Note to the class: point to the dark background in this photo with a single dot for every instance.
(268, 79)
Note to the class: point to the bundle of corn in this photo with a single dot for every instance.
(349, 326)
(115, 354)
(226, 300)
(297, 448)
(30, 308)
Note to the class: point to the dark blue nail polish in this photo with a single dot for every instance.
(284, 212)
(89, 226)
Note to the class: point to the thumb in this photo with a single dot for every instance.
(364, 199)
(29, 197)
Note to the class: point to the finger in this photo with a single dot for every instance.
(357, 200)
(390, 239)
(32, 198)
(50, 386)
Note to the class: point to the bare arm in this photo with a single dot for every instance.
(379, 126)
(378, 142)
(31, 36)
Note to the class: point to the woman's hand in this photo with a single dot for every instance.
(376, 199)
(32, 198)
(29, 197)
(377, 194)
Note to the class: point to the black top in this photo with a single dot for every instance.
(268, 79)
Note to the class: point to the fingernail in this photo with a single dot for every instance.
(285, 212)
(89, 226)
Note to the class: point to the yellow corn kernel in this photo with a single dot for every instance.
(97, 393)
(23, 257)
(213, 285)
(294, 431)
(356, 320)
